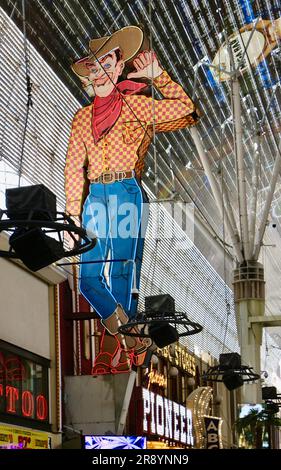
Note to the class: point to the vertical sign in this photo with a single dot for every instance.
(213, 432)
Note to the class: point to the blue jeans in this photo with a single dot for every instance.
(115, 214)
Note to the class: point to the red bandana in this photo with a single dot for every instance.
(106, 110)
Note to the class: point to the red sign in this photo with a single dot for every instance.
(31, 406)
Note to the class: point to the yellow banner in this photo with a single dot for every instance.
(20, 438)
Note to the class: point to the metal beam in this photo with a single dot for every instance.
(216, 192)
(265, 321)
(267, 205)
(254, 197)
(241, 177)
(78, 316)
(121, 419)
(228, 206)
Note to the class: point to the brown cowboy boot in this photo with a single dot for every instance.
(138, 359)
(129, 343)
(124, 362)
(109, 347)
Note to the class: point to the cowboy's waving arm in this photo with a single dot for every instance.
(177, 110)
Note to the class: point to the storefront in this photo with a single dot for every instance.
(24, 398)
(30, 402)
(158, 405)
(173, 407)
(161, 420)
(24, 385)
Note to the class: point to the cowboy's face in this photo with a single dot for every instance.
(104, 74)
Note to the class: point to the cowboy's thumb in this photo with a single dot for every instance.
(137, 74)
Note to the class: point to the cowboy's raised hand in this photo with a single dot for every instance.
(146, 65)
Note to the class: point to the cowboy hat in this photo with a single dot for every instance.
(128, 40)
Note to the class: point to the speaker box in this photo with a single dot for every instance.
(269, 393)
(160, 303)
(37, 198)
(271, 408)
(232, 380)
(35, 248)
(230, 360)
(162, 334)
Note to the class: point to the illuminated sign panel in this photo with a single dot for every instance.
(178, 356)
(166, 418)
(213, 432)
(20, 438)
(156, 378)
(35, 407)
(114, 442)
(23, 384)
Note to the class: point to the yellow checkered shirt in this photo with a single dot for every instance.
(124, 147)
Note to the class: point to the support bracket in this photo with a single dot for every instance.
(265, 321)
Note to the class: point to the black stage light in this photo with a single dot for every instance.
(32, 245)
(159, 322)
(162, 334)
(272, 408)
(230, 360)
(232, 380)
(35, 248)
(36, 228)
(160, 303)
(230, 372)
(34, 202)
(269, 393)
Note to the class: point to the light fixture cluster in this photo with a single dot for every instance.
(230, 372)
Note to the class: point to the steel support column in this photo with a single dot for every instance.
(249, 296)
